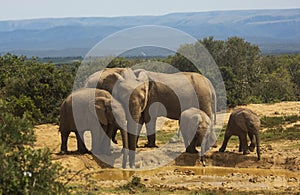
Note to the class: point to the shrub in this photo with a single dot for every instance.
(23, 169)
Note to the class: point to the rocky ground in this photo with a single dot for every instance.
(278, 171)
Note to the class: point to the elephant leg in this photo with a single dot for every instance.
(81, 148)
(100, 141)
(113, 135)
(125, 150)
(257, 145)
(252, 141)
(203, 150)
(191, 148)
(225, 141)
(240, 145)
(243, 141)
(151, 136)
(64, 141)
(132, 147)
(140, 125)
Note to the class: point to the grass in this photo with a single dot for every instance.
(275, 134)
(275, 130)
(270, 122)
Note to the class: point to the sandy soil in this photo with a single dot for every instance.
(277, 171)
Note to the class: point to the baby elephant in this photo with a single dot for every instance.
(95, 110)
(196, 129)
(242, 122)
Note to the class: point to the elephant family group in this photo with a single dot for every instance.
(139, 97)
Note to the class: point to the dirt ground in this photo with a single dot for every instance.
(278, 171)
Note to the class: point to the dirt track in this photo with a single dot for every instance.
(277, 171)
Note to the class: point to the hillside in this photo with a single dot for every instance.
(273, 30)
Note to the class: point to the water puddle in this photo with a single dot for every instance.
(206, 173)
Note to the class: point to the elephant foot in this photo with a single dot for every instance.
(191, 150)
(202, 160)
(83, 151)
(258, 158)
(245, 152)
(115, 141)
(215, 145)
(62, 152)
(251, 148)
(148, 145)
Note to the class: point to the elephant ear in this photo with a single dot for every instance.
(99, 105)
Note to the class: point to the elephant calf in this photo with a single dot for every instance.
(95, 110)
(196, 129)
(242, 122)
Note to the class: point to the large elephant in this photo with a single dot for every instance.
(104, 79)
(242, 122)
(176, 93)
(196, 127)
(155, 94)
(95, 110)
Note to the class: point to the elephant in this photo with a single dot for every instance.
(241, 122)
(196, 128)
(95, 110)
(103, 79)
(188, 86)
(173, 94)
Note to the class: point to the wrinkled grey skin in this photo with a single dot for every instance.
(196, 129)
(242, 122)
(159, 92)
(91, 108)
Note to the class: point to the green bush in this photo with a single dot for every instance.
(23, 169)
(33, 88)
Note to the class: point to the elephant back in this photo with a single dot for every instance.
(104, 79)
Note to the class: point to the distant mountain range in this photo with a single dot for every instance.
(273, 30)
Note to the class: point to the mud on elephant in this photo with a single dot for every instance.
(242, 122)
(91, 109)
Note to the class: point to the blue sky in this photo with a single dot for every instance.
(27, 9)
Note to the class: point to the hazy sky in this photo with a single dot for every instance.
(26, 9)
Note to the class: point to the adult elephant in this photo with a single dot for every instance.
(176, 93)
(156, 94)
(241, 122)
(95, 110)
(103, 79)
